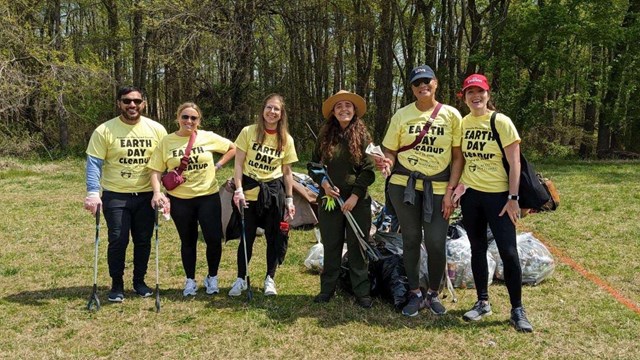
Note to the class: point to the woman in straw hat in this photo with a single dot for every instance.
(341, 147)
(426, 168)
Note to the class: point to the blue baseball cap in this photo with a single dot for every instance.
(421, 72)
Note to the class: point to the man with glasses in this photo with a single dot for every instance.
(117, 156)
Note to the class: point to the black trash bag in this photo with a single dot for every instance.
(387, 278)
(234, 226)
(391, 280)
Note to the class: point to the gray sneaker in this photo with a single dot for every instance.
(519, 320)
(479, 310)
(414, 305)
(434, 304)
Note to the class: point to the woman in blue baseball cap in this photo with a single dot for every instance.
(423, 157)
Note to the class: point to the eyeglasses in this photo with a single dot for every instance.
(187, 117)
(418, 82)
(135, 101)
(272, 108)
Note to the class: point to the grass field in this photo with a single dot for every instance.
(46, 270)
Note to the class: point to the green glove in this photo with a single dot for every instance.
(330, 203)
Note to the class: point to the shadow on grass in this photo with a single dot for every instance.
(284, 308)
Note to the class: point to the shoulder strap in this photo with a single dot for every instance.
(496, 135)
(185, 159)
(426, 127)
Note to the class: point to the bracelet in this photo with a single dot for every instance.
(218, 166)
(515, 197)
(238, 190)
(451, 188)
(288, 201)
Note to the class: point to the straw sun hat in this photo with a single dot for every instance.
(355, 99)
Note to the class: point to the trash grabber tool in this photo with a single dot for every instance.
(246, 259)
(446, 282)
(94, 302)
(157, 225)
(321, 169)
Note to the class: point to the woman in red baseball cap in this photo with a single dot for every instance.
(491, 197)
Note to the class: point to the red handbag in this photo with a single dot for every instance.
(173, 178)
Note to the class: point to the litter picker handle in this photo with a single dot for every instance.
(97, 215)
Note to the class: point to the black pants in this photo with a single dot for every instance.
(270, 222)
(415, 232)
(335, 231)
(128, 213)
(187, 214)
(478, 209)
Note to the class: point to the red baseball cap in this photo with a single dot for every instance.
(478, 80)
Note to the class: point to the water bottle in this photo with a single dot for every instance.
(284, 228)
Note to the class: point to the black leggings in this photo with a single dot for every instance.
(478, 209)
(187, 214)
(270, 222)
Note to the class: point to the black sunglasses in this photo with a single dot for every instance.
(187, 117)
(135, 101)
(417, 82)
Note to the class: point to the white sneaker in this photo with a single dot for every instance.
(211, 284)
(237, 287)
(190, 288)
(269, 286)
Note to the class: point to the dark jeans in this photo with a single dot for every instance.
(270, 222)
(128, 213)
(187, 214)
(478, 209)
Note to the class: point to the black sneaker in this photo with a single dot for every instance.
(434, 304)
(322, 298)
(479, 310)
(414, 305)
(519, 320)
(364, 301)
(142, 289)
(116, 294)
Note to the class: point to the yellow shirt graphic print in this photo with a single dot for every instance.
(433, 154)
(126, 150)
(264, 161)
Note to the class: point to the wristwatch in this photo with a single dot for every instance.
(515, 197)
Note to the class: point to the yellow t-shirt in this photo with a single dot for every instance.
(200, 174)
(433, 154)
(483, 169)
(263, 162)
(125, 149)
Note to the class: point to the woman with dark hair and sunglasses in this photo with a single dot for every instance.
(341, 147)
(491, 197)
(264, 187)
(425, 168)
(197, 200)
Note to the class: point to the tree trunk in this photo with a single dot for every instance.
(114, 40)
(383, 93)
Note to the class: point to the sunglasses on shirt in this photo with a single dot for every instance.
(129, 101)
(418, 82)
